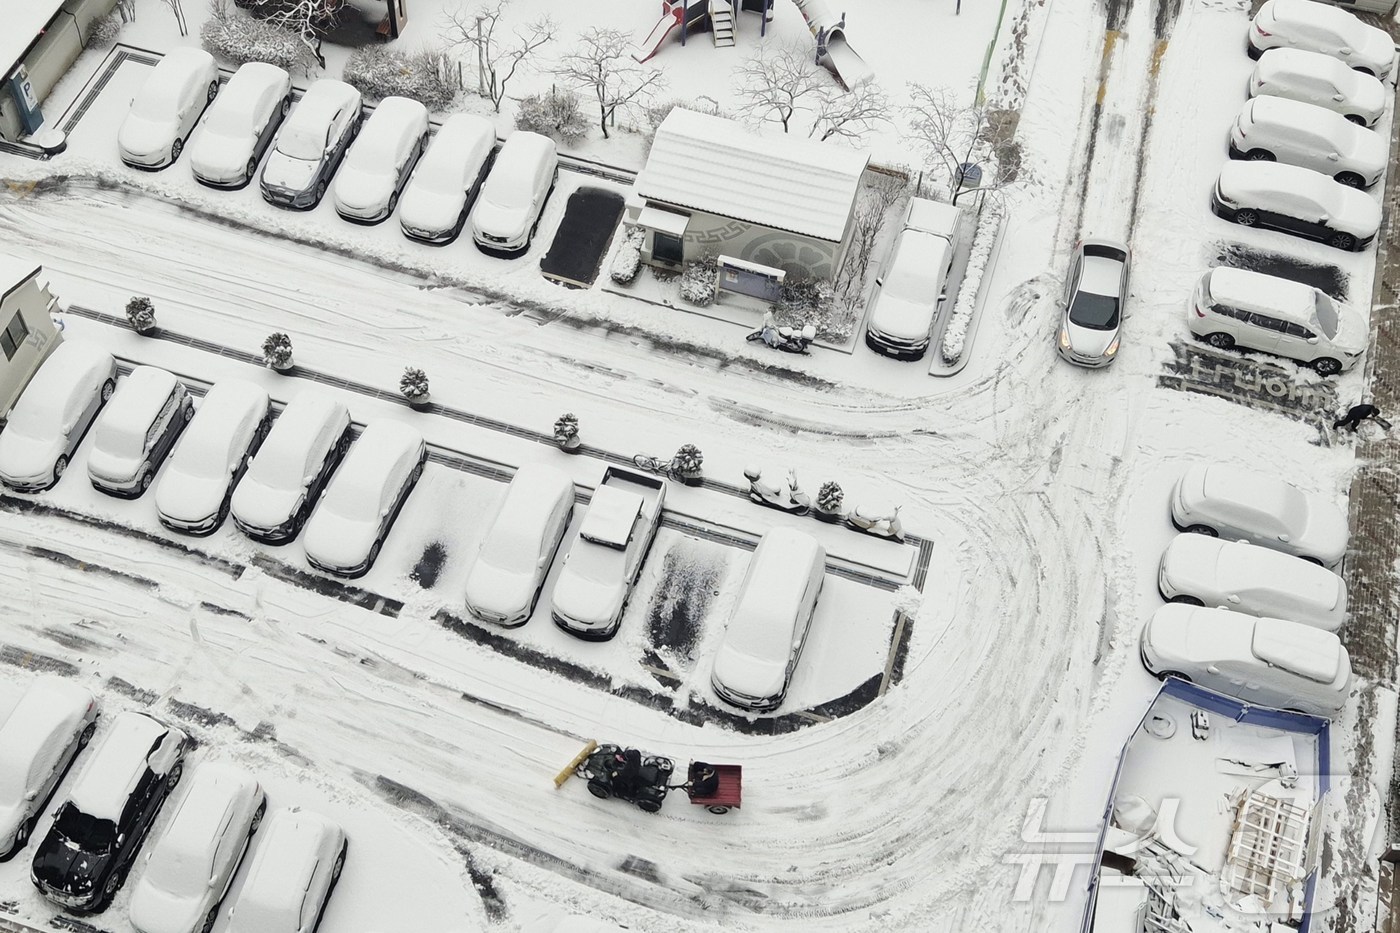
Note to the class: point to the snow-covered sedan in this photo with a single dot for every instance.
(1314, 78)
(1236, 504)
(1272, 128)
(504, 583)
(165, 110)
(57, 408)
(195, 490)
(135, 432)
(434, 205)
(364, 497)
(1096, 293)
(1203, 571)
(293, 875)
(366, 189)
(51, 723)
(513, 196)
(238, 126)
(1317, 27)
(190, 867)
(311, 144)
(1298, 201)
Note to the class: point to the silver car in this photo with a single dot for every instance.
(1096, 293)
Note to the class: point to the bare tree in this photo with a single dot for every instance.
(308, 19)
(880, 193)
(179, 16)
(497, 57)
(953, 135)
(601, 64)
(778, 81)
(849, 114)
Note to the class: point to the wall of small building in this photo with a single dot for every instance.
(53, 55)
(712, 235)
(27, 337)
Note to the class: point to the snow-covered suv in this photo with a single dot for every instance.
(1317, 27)
(1297, 201)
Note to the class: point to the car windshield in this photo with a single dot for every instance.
(301, 142)
(118, 439)
(89, 833)
(1096, 312)
(1326, 313)
(179, 869)
(35, 421)
(229, 121)
(510, 551)
(155, 103)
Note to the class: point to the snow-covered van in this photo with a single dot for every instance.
(912, 286)
(136, 430)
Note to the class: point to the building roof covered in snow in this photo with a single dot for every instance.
(711, 164)
(24, 23)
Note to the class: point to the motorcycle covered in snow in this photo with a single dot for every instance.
(787, 339)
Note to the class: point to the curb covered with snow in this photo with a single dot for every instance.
(955, 334)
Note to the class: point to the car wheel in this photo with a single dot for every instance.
(1221, 341)
(145, 480)
(1342, 241)
(599, 790)
(393, 201)
(1351, 179)
(1259, 155)
(1206, 530)
(209, 920)
(649, 806)
(188, 413)
(717, 809)
(1246, 218)
(1311, 560)
(1164, 675)
(173, 778)
(109, 890)
(252, 168)
(373, 554)
(320, 192)
(1364, 70)
(213, 90)
(177, 147)
(85, 736)
(257, 817)
(22, 833)
(1358, 119)
(286, 104)
(108, 388)
(338, 866)
(1327, 366)
(1186, 600)
(59, 466)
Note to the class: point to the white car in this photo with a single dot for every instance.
(1203, 571)
(190, 867)
(434, 205)
(1297, 201)
(366, 190)
(194, 492)
(290, 469)
(135, 432)
(1096, 296)
(504, 583)
(1272, 128)
(1271, 662)
(1314, 78)
(311, 144)
(1228, 502)
(238, 127)
(57, 408)
(1317, 27)
(364, 497)
(165, 110)
(912, 286)
(294, 871)
(513, 196)
(51, 723)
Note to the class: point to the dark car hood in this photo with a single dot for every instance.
(60, 865)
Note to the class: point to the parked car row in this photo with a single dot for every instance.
(325, 145)
(99, 830)
(225, 456)
(1253, 608)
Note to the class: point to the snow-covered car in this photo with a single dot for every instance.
(1253, 311)
(53, 720)
(355, 513)
(1317, 27)
(190, 867)
(504, 583)
(770, 621)
(311, 144)
(435, 202)
(293, 874)
(291, 467)
(1314, 78)
(1202, 571)
(366, 189)
(194, 492)
(165, 110)
(54, 413)
(136, 430)
(1272, 128)
(912, 286)
(1242, 505)
(510, 202)
(604, 561)
(96, 833)
(1096, 294)
(1269, 662)
(238, 127)
(1297, 201)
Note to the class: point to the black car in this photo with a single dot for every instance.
(97, 832)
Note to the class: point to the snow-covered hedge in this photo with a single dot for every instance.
(814, 301)
(240, 38)
(380, 72)
(628, 258)
(699, 280)
(558, 113)
(955, 334)
(104, 32)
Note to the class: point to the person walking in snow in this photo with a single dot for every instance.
(1359, 413)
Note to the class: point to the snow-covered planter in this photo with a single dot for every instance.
(955, 334)
(380, 72)
(566, 433)
(830, 502)
(699, 281)
(414, 386)
(277, 351)
(628, 258)
(240, 38)
(142, 315)
(558, 114)
(688, 461)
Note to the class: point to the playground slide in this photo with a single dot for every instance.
(652, 43)
(830, 32)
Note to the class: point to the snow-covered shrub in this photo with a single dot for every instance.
(558, 114)
(628, 258)
(688, 459)
(413, 384)
(699, 280)
(240, 38)
(141, 314)
(814, 301)
(277, 351)
(104, 32)
(955, 334)
(830, 496)
(428, 76)
(566, 432)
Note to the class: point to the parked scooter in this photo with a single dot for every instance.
(881, 526)
(788, 339)
(786, 497)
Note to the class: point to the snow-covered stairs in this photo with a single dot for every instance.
(722, 22)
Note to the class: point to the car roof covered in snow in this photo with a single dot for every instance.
(246, 87)
(65, 366)
(1306, 651)
(1273, 182)
(1245, 288)
(762, 623)
(174, 69)
(1254, 490)
(1278, 63)
(287, 856)
(231, 398)
(137, 401)
(397, 115)
(306, 414)
(13, 271)
(530, 499)
(933, 217)
(214, 787)
(49, 708)
(110, 774)
(515, 163)
(373, 456)
(611, 514)
(1238, 567)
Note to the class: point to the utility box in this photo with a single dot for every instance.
(27, 330)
